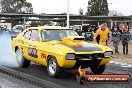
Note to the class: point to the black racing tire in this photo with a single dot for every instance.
(98, 69)
(53, 68)
(21, 60)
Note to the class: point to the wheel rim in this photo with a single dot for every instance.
(52, 66)
(19, 57)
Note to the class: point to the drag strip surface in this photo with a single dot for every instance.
(68, 79)
(7, 81)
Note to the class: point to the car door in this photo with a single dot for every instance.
(34, 46)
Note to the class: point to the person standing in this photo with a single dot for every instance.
(116, 36)
(102, 34)
(125, 37)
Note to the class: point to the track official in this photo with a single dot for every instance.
(102, 35)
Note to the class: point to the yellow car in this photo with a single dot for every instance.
(59, 48)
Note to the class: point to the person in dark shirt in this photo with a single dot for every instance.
(116, 36)
(125, 37)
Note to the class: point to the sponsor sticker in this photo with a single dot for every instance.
(32, 51)
(116, 78)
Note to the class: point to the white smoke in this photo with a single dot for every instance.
(7, 55)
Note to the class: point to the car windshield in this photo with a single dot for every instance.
(49, 35)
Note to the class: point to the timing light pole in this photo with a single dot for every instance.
(68, 13)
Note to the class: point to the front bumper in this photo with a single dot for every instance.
(85, 60)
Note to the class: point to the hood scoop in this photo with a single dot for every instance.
(79, 38)
(73, 40)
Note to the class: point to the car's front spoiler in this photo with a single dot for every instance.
(87, 63)
(90, 62)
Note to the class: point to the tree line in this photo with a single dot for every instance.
(15, 6)
(95, 7)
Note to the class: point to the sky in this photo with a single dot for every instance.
(60, 6)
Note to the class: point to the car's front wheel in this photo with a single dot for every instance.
(98, 69)
(21, 60)
(53, 67)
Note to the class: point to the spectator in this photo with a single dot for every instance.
(122, 25)
(116, 36)
(103, 34)
(125, 37)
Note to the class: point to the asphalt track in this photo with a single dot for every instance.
(10, 82)
(67, 78)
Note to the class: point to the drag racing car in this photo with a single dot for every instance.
(59, 48)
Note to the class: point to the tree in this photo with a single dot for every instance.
(97, 7)
(16, 6)
(80, 11)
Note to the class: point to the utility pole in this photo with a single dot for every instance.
(68, 13)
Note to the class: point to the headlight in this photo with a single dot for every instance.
(70, 56)
(108, 54)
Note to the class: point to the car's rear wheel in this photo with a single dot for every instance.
(21, 60)
(97, 69)
(53, 67)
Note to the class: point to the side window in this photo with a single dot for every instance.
(27, 35)
(35, 35)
